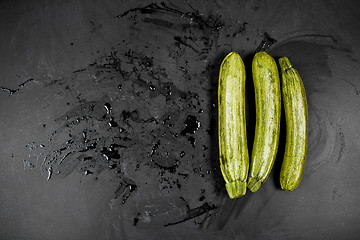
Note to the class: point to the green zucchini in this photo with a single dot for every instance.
(296, 116)
(268, 110)
(233, 150)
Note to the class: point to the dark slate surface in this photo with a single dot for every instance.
(109, 119)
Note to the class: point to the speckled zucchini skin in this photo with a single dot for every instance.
(296, 115)
(233, 150)
(268, 110)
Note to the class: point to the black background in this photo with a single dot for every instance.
(109, 119)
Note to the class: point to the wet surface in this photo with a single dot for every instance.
(109, 119)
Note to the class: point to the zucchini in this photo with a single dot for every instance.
(268, 110)
(233, 150)
(296, 116)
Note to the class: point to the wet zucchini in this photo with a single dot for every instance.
(233, 150)
(268, 110)
(296, 116)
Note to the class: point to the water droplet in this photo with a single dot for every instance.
(28, 164)
(192, 140)
(166, 119)
(110, 153)
(154, 148)
(50, 171)
(108, 108)
(182, 69)
(191, 125)
(112, 123)
(87, 172)
(113, 165)
(135, 221)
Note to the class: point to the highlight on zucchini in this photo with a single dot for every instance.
(233, 150)
(268, 110)
(296, 116)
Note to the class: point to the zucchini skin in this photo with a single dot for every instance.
(233, 150)
(296, 116)
(268, 111)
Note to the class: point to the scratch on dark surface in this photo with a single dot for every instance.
(333, 38)
(342, 142)
(356, 90)
(192, 213)
(79, 70)
(154, 148)
(159, 22)
(65, 156)
(126, 187)
(266, 43)
(334, 193)
(193, 15)
(321, 140)
(241, 29)
(148, 9)
(231, 208)
(183, 42)
(170, 169)
(186, 204)
(10, 91)
(207, 217)
(264, 202)
(203, 30)
(71, 150)
(25, 82)
(80, 111)
(13, 91)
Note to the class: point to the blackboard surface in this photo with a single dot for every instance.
(109, 119)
